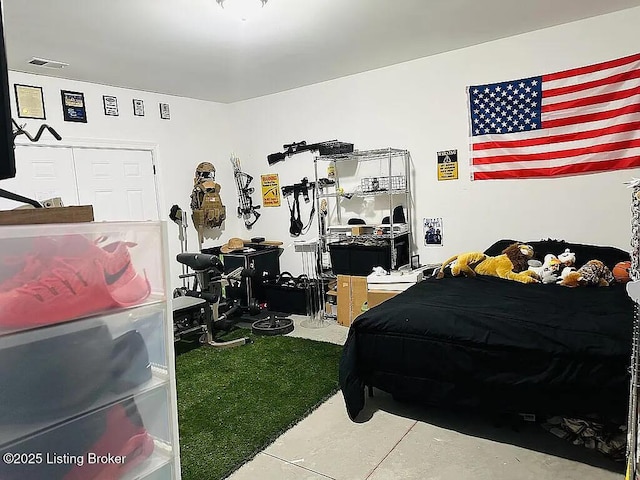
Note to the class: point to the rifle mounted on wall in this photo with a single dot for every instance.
(331, 147)
(294, 192)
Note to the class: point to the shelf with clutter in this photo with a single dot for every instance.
(364, 210)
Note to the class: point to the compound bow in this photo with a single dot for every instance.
(246, 209)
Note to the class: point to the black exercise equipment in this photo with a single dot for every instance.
(199, 313)
(273, 325)
(177, 215)
(258, 265)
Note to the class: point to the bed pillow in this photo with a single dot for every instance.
(609, 255)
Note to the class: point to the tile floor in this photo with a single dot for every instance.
(398, 441)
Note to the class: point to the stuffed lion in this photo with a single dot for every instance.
(511, 265)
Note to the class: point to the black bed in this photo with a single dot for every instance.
(493, 344)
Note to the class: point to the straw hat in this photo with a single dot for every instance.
(232, 245)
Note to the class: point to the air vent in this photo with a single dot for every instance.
(41, 62)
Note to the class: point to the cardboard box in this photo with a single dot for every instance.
(361, 230)
(359, 297)
(376, 297)
(352, 298)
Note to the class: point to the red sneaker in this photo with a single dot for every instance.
(43, 251)
(33, 266)
(124, 445)
(95, 280)
(126, 286)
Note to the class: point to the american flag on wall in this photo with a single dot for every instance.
(581, 120)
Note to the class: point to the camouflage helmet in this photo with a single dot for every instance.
(205, 167)
(205, 170)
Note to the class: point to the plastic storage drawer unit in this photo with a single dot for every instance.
(87, 377)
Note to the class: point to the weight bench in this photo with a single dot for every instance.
(196, 311)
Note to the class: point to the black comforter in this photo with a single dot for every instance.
(495, 344)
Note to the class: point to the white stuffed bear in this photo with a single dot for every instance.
(547, 271)
(549, 260)
(567, 258)
(549, 275)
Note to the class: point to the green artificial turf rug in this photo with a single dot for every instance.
(234, 402)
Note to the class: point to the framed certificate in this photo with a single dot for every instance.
(73, 106)
(110, 105)
(138, 108)
(164, 111)
(30, 102)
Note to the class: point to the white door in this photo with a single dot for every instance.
(42, 173)
(120, 184)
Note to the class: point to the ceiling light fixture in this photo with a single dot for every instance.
(241, 8)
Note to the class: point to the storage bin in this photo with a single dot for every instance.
(51, 274)
(80, 376)
(136, 430)
(50, 374)
(359, 260)
(290, 295)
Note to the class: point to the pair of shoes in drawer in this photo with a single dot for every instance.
(70, 277)
(51, 374)
(130, 366)
(104, 445)
(68, 371)
(125, 442)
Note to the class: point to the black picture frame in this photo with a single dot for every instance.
(138, 107)
(165, 113)
(18, 96)
(73, 106)
(110, 105)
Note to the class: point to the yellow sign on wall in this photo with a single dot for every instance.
(270, 190)
(448, 165)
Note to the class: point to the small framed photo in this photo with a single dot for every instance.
(138, 108)
(110, 105)
(30, 102)
(164, 111)
(73, 106)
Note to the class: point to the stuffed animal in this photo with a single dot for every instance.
(594, 272)
(547, 271)
(511, 265)
(462, 263)
(566, 271)
(550, 260)
(567, 258)
(549, 275)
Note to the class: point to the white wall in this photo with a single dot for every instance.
(196, 132)
(421, 106)
(418, 105)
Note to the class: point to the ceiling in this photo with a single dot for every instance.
(193, 48)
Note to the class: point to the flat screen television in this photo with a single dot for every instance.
(7, 157)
